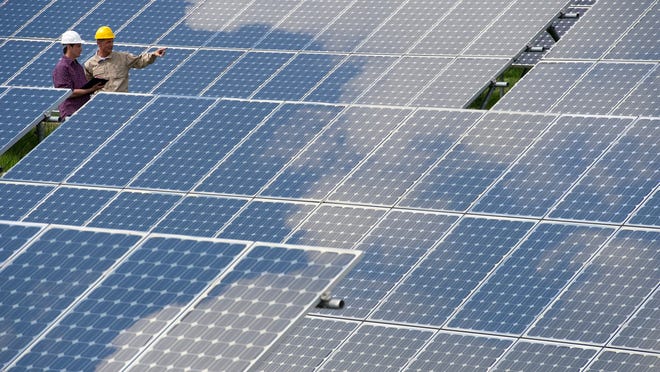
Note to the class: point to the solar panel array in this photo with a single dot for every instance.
(281, 149)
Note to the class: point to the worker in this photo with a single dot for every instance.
(69, 73)
(114, 66)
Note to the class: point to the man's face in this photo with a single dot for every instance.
(105, 46)
(76, 50)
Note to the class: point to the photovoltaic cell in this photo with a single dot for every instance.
(306, 345)
(621, 361)
(609, 192)
(335, 226)
(347, 82)
(547, 357)
(268, 149)
(131, 305)
(640, 43)
(269, 221)
(109, 12)
(445, 277)
(542, 86)
(404, 80)
(80, 135)
(66, 12)
(134, 211)
(152, 22)
(199, 216)
(397, 242)
(28, 303)
(649, 213)
(70, 206)
(298, 77)
(410, 150)
(640, 331)
(247, 74)
(602, 88)
(15, 14)
(18, 199)
(378, 348)
(135, 145)
(13, 237)
(460, 82)
(196, 152)
(16, 54)
(592, 308)
(459, 352)
(643, 100)
(146, 79)
(190, 79)
(551, 166)
(21, 109)
(521, 287)
(248, 310)
(331, 156)
(476, 161)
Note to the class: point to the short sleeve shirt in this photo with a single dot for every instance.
(68, 73)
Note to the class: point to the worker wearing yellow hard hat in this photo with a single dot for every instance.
(114, 66)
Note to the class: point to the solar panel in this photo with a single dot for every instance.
(551, 166)
(18, 199)
(146, 79)
(643, 99)
(641, 42)
(247, 310)
(475, 161)
(15, 14)
(80, 135)
(609, 192)
(269, 148)
(544, 356)
(621, 360)
(113, 13)
(30, 304)
(17, 119)
(639, 331)
(648, 213)
(135, 211)
(43, 26)
(70, 206)
(13, 237)
(591, 308)
(15, 54)
(151, 22)
(39, 72)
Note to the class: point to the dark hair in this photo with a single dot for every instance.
(64, 50)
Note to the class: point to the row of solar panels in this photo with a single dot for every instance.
(413, 158)
(114, 295)
(466, 27)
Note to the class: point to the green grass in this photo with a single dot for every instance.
(511, 76)
(23, 147)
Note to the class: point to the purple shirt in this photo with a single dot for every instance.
(68, 73)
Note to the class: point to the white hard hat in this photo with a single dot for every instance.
(71, 37)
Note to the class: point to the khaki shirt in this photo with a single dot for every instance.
(115, 68)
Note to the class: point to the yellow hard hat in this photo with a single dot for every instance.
(104, 32)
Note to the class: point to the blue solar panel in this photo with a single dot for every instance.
(134, 211)
(394, 245)
(135, 144)
(131, 305)
(72, 261)
(378, 348)
(543, 357)
(350, 79)
(248, 310)
(332, 155)
(14, 14)
(146, 79)
(70, 206)
(154, 21)
(113, 13)
(399, 85)
(268, 149)
(22, 109)
(476, 161)
(530, 278)
(643, 100)
(18, 199)
(592, 308)
(39, 73)
(191, 79)
(58, 17)
(451, 270)
(247, 74)
(544, 173)
(199, 216)
(642, 41)
(15, 54)
(81, 135)
(625, 361)
(649, 213)
(335, 226)
(409, 151)
(639, 331)
(298, 77)
(269, 221)
(193, 154)
(459, 352)
(13, 237)
(609, 192)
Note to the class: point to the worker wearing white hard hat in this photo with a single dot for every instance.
(68, 73)
(114, 66)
